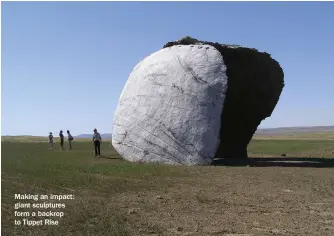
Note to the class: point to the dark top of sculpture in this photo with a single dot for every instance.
(189, 40)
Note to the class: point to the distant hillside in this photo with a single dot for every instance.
(295, 130)
(268, 131)
(314, 132)
(103, 136)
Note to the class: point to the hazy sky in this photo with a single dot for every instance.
(64, 64)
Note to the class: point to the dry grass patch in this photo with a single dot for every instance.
(114, 197)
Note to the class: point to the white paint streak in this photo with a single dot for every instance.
(170, 108)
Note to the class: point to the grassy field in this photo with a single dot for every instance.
(114, 197)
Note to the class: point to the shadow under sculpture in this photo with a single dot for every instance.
(207, 105)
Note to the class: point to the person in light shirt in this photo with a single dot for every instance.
(97, 142)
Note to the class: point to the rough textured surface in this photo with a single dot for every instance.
(255, 82)
(195, 100)
(170, 108)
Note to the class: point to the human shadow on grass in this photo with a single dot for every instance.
(110, 157)
(276, 162)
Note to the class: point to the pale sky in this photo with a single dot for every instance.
(64, 64)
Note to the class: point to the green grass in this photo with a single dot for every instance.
(99, 184)
(31, 168)
(298, 148)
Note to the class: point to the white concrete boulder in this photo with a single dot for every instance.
(171, 108)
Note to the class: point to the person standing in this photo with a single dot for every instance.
(50, 141)
(97, 142)
(70, 139)
(61, 140)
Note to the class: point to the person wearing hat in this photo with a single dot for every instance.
(70, 139)
(61, 140)
(50, 141)
(97, 142)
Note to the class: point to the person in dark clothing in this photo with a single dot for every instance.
(97, 142)
(70, 139)
(61, 140)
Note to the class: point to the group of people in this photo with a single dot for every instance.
(96, 141)
(61, 136)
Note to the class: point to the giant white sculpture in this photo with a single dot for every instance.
(194, 101)
(170, 108)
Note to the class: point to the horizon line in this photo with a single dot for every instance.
(282, 127)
